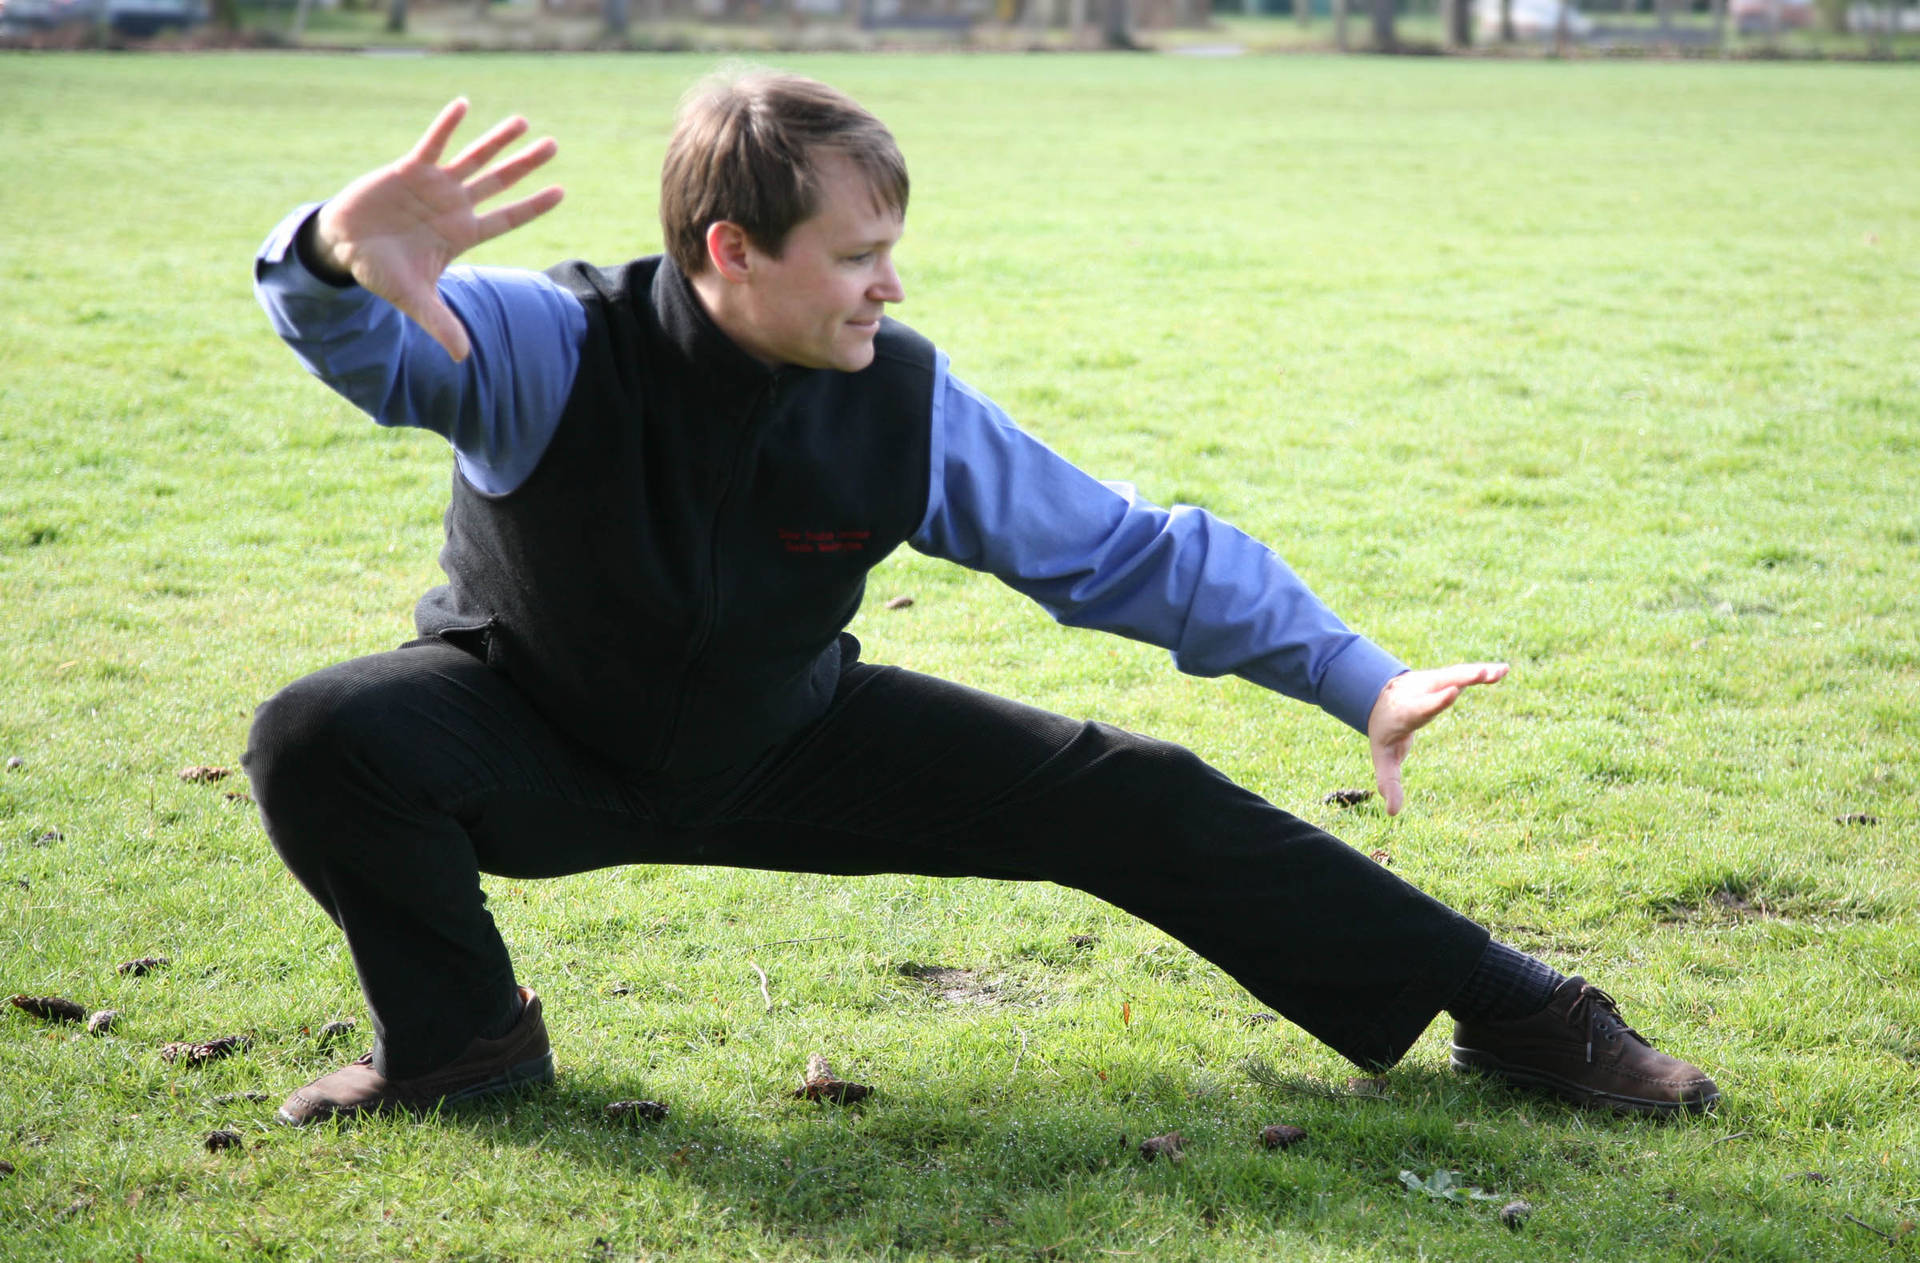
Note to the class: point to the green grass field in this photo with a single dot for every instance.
(1608, 370)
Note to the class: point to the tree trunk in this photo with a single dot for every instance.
(1340, 24)
(396, 17)
(1720, 23)
(1506, 21)
(1456, 23)
(1113, 33)
(1562, 19)
(1665, 10)
(1383, 37)
(1303, 12)
(1076, 20)
(614, 18)
(301, 12)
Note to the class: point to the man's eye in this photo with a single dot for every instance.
(862, 257)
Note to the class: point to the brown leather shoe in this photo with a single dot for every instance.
(1579, 1047)
(521, 1056)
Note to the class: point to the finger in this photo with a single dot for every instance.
(511, 216)
(1467, 673)
(435, 141)
(1387, 757)
(510, 172)
(1425, 708)
(482, 151)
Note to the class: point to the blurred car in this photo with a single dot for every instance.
(1532, 19)
(1770, 15)
(136, 18)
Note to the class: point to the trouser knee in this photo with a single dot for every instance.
(291, 745)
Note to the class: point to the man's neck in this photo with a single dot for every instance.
(719, 302)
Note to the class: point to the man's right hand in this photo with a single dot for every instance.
(397, 229)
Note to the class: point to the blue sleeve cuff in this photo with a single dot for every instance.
(1351, 684)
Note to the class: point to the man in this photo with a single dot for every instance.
(671, 479)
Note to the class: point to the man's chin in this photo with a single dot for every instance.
(854, 358)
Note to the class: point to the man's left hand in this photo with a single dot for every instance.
(1406, 705)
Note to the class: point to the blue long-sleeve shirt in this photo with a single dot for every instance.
(1092, 553)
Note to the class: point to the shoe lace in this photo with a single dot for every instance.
(1602, 1017)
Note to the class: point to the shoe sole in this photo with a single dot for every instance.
(1472, 1061)
(526, 1074)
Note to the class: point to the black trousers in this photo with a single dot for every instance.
(390, 783)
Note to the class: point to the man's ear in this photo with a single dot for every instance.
(727, 249)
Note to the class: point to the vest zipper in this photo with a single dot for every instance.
(710, 607)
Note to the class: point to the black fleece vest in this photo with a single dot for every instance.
(669, 585)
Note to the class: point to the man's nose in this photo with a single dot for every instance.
(887, 288)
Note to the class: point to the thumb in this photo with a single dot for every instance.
(1387, 758)
(440, 324)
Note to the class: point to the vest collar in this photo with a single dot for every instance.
(723, 363)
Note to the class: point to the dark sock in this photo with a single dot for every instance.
(1505, 985)
(511, 1020)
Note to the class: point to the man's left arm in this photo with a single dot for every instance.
(1094, 554)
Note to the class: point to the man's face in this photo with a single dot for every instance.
(818, 304)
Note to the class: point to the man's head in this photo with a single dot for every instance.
(782, 198)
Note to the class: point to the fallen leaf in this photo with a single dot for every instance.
(15, 763)
(1365, 1086)
(223, 1139)
(235, 1098)
(821, 1084)
(651, 1111)
(6, 1168)
(1126, 1013)
(1857, 817)
(1083, 940)
(51, 1008)
(1347, 797)
(900, 603)
(1514, 1214)
(1282, 1136)
(202, 775)
(49, 837)
(1384, 858)
(199, 1054)
(102, 1022)
(237, 796)
(1168, 1146)
(1811, 1177)
(143, 966)
(1259, 1019)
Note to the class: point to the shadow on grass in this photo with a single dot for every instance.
(971, 1167)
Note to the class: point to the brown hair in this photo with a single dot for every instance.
(743, 150)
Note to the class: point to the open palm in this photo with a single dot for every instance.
(1407, 704)
(395, 230)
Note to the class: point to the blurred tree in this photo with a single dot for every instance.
(1113, 26)
(1340, 24)
(1383, 35)
(613, 17)
(396, 16)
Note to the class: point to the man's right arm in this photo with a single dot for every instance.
(498, 406)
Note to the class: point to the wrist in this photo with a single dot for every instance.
(316, 256)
